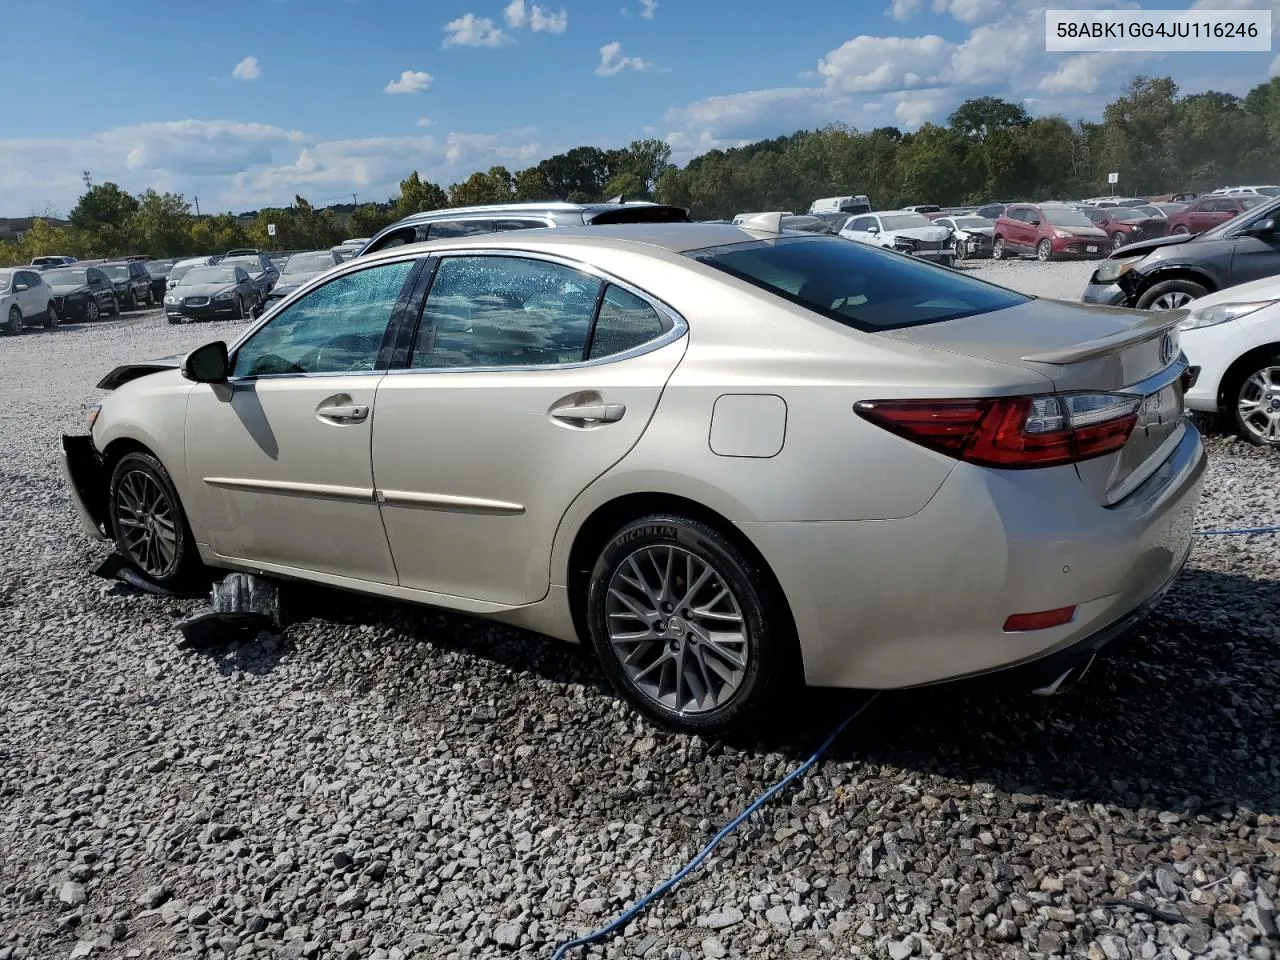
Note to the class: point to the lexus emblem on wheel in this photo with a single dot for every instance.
(1166, 349)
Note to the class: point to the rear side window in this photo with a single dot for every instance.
(856, 284)
(442, 229)
(625, 322)
(500, 226)
(491, 311)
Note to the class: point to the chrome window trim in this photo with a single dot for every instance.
(679, 326)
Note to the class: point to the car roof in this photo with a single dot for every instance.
(531, 207)
(672, 237)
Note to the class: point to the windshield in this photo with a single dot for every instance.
(118, 272)
(905, 221)
(159, 268)
(200, 275)
(1150, 210)
(6, 278)
(858, 285)
(1169, 209)
(64, 278)
(1126, 213)
(1268, 191)
(973, 223)
(1252, 216)
(248, 264)
(308, 263)
(1250, 202)
(1066, 217)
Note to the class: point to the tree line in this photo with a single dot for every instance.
(1156, 139)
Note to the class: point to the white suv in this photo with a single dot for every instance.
(905, 231)
(25, 299)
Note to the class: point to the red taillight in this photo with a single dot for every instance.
(1043, 620)
(1012, 432)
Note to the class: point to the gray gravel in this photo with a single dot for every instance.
(389, 782)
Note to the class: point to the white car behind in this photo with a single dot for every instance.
(1232, 340)
(905, 231)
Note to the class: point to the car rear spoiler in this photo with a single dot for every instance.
(132, 371)
(1156, 324)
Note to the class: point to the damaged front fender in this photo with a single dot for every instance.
(85, 475)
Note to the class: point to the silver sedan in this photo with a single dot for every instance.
(727, 458)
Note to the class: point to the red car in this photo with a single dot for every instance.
(1050, 231)
(1126, 225)
(1209, 211)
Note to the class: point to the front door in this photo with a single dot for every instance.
(278, 457)
(528, 379)
(1255, 257)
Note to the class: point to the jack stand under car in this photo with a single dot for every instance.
(241, 607)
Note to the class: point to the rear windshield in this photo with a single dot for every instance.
(308, 263)
(857, 284)
(638, 213)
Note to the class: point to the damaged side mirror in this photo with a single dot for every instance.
(207, 364)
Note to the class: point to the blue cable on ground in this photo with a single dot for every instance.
(664, 888)
(1247, 531)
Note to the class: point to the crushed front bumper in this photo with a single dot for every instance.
(85, 476)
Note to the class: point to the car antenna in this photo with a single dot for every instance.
(764, 222)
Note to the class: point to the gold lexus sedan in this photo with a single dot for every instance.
(727, 457)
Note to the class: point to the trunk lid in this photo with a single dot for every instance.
(1083, 348)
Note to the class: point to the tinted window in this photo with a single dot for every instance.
(458, 228)
(861, 223)
(857, 284)
(65, 277)
(335, 328)
(500, 225)
(625, 322)
(505, 312)
(396, 238)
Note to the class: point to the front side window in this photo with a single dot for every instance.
(336, 328)
(491, 311)
(625, 322)
(859, 285)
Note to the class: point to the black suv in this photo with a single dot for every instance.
(467, 221)
(132, 283)
(1170, 272)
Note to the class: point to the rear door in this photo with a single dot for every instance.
(528, 378)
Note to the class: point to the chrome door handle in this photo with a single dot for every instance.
(590, 413)
(345, 413)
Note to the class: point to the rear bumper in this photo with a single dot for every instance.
(85, 477)
(899, 603)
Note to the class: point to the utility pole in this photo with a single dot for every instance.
(197, 202)
(355, 201)
(88, 180)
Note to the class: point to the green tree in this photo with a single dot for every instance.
(418, 196)
(369, 218)
(495, 186)
(103, 206)
(979, 118)
(162, 224)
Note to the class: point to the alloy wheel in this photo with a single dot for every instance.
(148, 521)
(1117, 241)
(678, 630)
(1044, 250)
(15, 321)
(1258, 404)
(1171, 300)
(51, 318)
(91, 310)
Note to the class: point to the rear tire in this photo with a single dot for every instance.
(649, 625)
(997, 249)
(1247, 408)
(1181, 228)
(148, 522)
(50, 316)
(14, 324)
(1044, 251)
(1171, 294)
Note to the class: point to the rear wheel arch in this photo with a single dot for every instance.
(607, 519)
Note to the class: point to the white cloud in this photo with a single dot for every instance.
(970, 11)
(537, 18)
(903, 9)
(472, 31)
(245, 166)
(426, 122)
(876, 64)
(612, 62)
(247, 69)
(411, 81)
(648, 8)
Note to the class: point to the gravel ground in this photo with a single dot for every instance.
(388, 782)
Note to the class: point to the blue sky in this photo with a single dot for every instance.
(249, 103)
